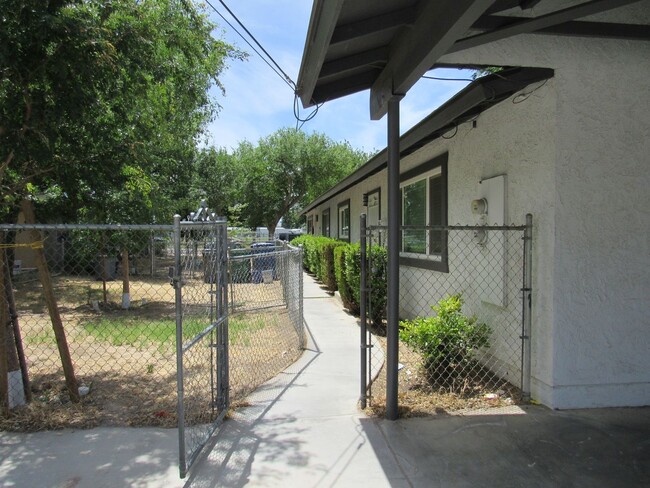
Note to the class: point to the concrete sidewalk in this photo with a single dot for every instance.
(303, 429)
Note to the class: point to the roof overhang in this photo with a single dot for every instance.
(477, 97)
(387, 45)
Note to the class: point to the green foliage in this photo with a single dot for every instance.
(353, 274)
(448, 341)
(286, 169)
(104, 101)
(341, 282)
(337, 265)
(139, 332)
(378, 282)
(327, 275)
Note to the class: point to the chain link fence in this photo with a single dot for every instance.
(265, 302)
(91, 311)
(461, 308)
(200, 279)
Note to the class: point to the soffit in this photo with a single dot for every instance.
(386, 45)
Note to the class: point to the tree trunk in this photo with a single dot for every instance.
(53, 309)
(126, 289)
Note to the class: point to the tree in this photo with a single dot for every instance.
(104, 97)
(101, 106)
(289, 168)
(216, 178)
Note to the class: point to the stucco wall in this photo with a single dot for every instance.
(512, 139)
(576, 154)
(601, 268)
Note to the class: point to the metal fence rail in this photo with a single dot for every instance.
(472, 344)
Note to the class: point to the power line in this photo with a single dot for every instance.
(271, 63)
(288, 78)
(276, 69)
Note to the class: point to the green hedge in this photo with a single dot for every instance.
(337, 265)
(318, 257)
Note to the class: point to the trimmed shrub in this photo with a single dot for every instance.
(448, 342)
(377, 280)
(337, 265)
(301, 241)
(318, 258)
(327, 275)
(353, 275)
(340, 253)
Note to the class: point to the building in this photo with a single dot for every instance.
(569, 146)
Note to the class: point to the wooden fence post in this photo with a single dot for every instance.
(50, 299)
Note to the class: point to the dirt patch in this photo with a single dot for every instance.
(131, 374)
(418, 396)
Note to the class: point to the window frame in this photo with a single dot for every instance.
(428, 171)
(324, 214)
(341, 206)
(310, 224)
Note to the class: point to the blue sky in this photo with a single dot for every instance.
(258, 102)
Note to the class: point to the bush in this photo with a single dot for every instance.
(337, 265)
(378, 282)
(448, 342)
(319, 257)
(327, 275)
(345, 291)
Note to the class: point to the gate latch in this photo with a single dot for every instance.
(174, 280)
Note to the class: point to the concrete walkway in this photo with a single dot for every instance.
(303, 429)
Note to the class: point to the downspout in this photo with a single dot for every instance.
(392, 313)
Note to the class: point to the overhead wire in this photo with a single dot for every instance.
(286, 76)
(277, 69)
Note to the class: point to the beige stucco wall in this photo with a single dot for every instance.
(601, 269)
(576, 154)
(512, 139)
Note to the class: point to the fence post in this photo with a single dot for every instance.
(300, 296)
(527, 309)
(363, 300)
(176, 283)
(221, 244)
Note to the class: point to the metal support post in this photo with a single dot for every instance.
(223, 283)
(527, 309)
(303, 339)
(392, 313)
(176, 283)
(363, 301)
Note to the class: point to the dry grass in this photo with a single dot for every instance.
(133, 382)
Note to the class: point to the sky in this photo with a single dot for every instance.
(258, 102)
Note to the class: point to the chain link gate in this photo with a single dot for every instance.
(483, 357)
(96, 335)
(200, 280)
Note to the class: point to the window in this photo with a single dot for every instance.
(325, 226)
(310, 224)
(344, 220)
(424, 203)
(374, 207)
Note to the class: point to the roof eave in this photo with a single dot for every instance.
(322, 22)
(491, 89)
